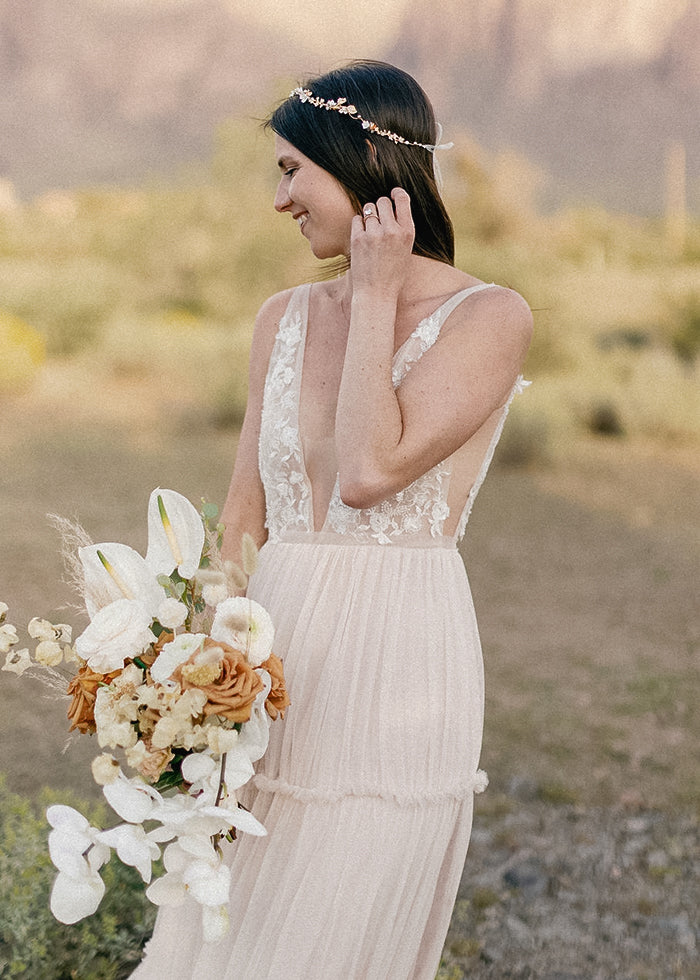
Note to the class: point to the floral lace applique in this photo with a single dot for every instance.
(421, 506)
(287, 493)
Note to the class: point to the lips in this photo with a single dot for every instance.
(301, 217)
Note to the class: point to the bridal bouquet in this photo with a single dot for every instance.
(179, 678)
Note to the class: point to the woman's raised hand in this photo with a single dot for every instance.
(381, 243)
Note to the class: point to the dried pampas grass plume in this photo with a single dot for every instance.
(73, 538)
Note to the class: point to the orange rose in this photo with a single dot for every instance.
(232, 693)
(277, 699)
(83, 687)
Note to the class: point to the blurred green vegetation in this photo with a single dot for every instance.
(166, 279)
(33, 945)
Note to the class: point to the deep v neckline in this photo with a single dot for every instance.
(438, 315)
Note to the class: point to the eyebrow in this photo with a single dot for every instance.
(285, 162)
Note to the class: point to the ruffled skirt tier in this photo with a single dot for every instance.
(366, 789)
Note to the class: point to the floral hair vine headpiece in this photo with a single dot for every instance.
(347, 109)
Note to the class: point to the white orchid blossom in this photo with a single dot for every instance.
(75, 850)
(245, 625)
(133, 846)
(132, 799)
(117, 631)
(204, 878)
(115, 571)
(175, 534)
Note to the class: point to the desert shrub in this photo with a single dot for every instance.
(22, 351)
(685, 334)
(33, 945)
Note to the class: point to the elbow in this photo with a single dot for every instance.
(362, 490)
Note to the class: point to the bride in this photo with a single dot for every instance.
(376, 401)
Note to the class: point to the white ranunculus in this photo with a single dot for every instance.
(118, 631)
(245, 625)
(175, 653)
(175, 534)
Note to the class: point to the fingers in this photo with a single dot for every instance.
(396, 208)
(402, 206)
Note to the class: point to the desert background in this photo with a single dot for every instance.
(137, 240)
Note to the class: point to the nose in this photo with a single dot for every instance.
(282, 198)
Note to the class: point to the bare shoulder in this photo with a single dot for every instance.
(272, 311)
(497, 312)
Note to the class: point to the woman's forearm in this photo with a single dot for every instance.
(368, 419)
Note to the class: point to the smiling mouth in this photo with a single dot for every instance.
(301, 218)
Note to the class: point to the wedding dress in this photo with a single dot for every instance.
(367, 786)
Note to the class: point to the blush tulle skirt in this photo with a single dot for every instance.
(366, 789)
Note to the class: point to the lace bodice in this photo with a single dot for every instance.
(414, 515)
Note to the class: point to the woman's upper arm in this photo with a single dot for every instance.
(458, 384)
(244, 510)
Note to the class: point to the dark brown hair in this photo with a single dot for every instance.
(369, 166)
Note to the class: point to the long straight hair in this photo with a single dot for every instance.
(367, 165)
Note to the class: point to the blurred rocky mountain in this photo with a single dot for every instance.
(592, 92)
(102, 90)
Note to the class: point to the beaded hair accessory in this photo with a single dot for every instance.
(347, 109)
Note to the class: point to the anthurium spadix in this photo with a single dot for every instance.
(175, 534)
(115, 571)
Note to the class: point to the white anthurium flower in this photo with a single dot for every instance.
(17, 661)
(74, 898)
(171, 613)
(255, 733)
(117, 631)
(133, 847)
(115, 571)
(245, 625)
(4, 609)
(175, 653)
(215, 923)
(175, 534)
(132, 799)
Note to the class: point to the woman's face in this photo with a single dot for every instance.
(316, 201)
